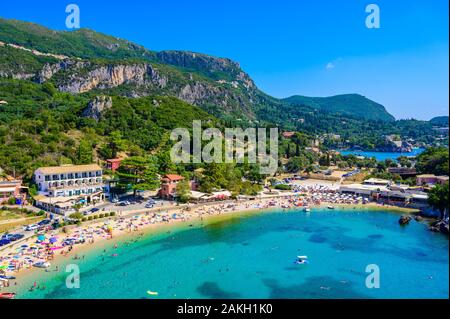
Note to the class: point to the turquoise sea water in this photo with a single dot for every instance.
(381, 156)
(252, 255)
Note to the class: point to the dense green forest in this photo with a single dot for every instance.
(346, 104)
(41, 126)
(49, 116)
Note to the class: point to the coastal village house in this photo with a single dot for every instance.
(404, 172)
(61, 187)
(430, 179)
(11, 188)
(288, 134)
(113, 164)
(169, 184)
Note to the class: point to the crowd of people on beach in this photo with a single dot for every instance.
(41, 250)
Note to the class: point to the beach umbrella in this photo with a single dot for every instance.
(53, 240)
(41, 237)
(24, 246)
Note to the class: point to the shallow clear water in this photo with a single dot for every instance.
(252, 255)
(381, 156)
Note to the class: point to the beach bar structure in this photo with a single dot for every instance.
(58, 205)
(399, 195)
(377, 182)
(214, 196)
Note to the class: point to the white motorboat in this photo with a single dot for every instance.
(330, 207)
(301, 260)
(306, 209)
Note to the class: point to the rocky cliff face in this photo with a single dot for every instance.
(49, 70)
(143, 79)
(111, 76)
(196, 92)
(17, 75)
(220, 69)
(97, 106)
(218, 85)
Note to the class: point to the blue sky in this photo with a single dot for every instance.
(286, 46)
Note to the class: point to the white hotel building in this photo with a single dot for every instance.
(61, 187)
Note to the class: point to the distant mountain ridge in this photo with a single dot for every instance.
(345, 104)
(440, 120)
(105, 64)
(79, 96)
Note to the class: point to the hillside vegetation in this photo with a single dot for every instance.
(348, 104)
(82, 96)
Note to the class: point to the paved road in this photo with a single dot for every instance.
(112, 207)
(27, 235)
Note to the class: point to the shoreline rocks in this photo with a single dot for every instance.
(404, 220)
(440, 226)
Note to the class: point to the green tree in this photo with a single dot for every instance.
(165, 163)
(288, 150)
(139, 172)
(438, 199)
(433, 161)
(116, 143)
(390, 163)
(404, 161)
(183, 191)
(296, 164)
(325, 160)
(49, 88)
(381, 167)
(84, 154)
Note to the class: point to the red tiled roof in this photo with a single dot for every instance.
(288, 134)
(173, 177)
(114, 160)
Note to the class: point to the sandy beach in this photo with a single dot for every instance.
(19, 260)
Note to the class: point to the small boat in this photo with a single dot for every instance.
(7, 277)
(306, 209)
(7, 295)
(330, 207)
(152, 293)
(301, 260)
(42, 264)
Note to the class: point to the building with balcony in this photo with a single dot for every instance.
(81, 181)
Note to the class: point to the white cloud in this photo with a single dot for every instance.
(330, 66)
